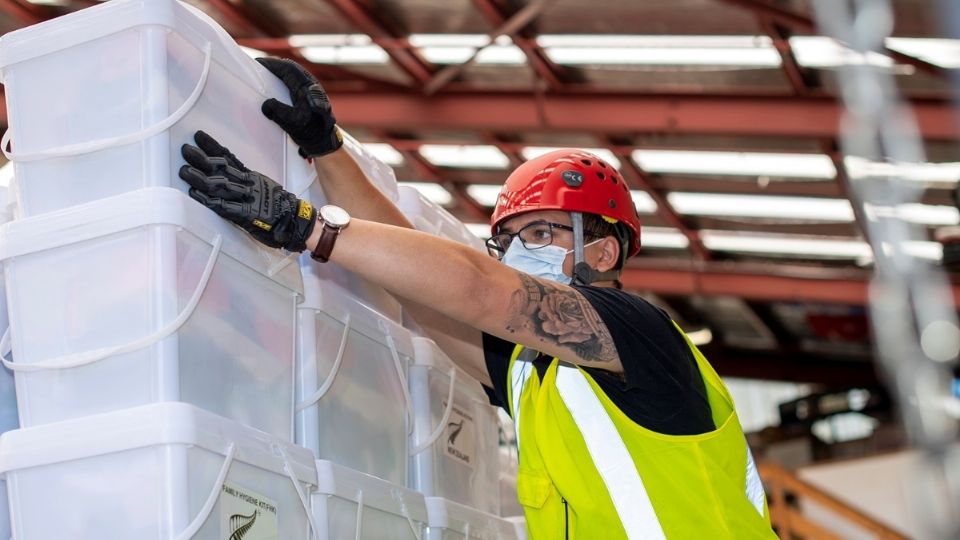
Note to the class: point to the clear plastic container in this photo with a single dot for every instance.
(352, 405)
(144, 76)
(451, 521)
(455, 443)
(163, 471)
(148, 297)
(428, 217)
(345, 500)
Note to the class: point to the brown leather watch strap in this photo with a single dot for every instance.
(328, 236)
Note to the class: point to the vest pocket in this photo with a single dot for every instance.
(533, 488)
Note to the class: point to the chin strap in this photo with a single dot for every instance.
(583, 274)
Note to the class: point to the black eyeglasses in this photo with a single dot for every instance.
(533, 235)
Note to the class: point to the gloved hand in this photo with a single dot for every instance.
(310, 121)
(219, 181)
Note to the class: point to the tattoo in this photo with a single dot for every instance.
(561, 316)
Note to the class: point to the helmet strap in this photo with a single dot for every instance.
(583, 273)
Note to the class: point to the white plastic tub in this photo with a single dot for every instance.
(451, 521)
(8, 398)
(455, 444)
(163, 471)
(351, 394)
(428, 217)
(350, 505)
(143, 75)
(147, 297)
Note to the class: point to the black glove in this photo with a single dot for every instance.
(310, 122)
(219, 181)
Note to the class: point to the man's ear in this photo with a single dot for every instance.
(609, 254)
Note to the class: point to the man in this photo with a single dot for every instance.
(624, 430)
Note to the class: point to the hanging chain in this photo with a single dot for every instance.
(912, 310)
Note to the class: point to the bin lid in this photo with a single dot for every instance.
(447, 514)
(342, 482)
(151, 425)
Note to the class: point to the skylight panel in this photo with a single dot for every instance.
(531, 152)
(432, 191)
(937, 173)
(663, 238)
(731, 51)
(339, 48)
(485, 194)
(762, 206)
(785, 245)
(942, 52)
(479, 156)
(735, 163)
(825, 52)
(643, 201)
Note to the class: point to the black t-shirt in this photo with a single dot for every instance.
(661, 390)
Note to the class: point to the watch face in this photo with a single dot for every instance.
(334, 215)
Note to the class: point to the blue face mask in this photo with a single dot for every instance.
(545, 262)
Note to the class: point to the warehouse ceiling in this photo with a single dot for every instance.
(722, 115)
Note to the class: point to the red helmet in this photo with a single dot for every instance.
(572, 181)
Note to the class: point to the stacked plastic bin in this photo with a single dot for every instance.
(153, 343)
(174, 378)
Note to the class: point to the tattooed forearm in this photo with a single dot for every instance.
(560, 316)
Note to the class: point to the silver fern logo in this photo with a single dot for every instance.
(240, 525)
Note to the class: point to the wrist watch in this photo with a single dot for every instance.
(334, 219)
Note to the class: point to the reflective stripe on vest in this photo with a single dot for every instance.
(754, 486)
(609, 455)
(519, 376)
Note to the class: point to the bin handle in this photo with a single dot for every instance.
(432, 438)
(5, 348)
(288, 468)
(328, 382)
(392, 345)
(73, 360)
(207, 507)
(120, 140)
(359, 513)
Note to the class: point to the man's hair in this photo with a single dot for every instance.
(596, 226)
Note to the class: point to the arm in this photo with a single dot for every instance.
(310, 122)
(477, 290)
(455, 280)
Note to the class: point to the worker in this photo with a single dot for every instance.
(623, 428)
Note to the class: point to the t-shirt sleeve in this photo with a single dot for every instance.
(656, 359)
(496, 354)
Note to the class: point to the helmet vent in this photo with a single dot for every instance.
(586, 162)
(612, 203)
(613, 179)
(602, 177)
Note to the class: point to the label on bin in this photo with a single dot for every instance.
(246, 515)
(459, 436)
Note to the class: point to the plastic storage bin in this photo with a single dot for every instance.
(148, 297)
(448, 520)
(351, 385)
(455, 444)
(144, 76)
(164, 471)
(8, 398)
(350, 505)
(316, 276)
(428, 217)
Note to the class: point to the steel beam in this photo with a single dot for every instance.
(22, 11)
(796, 367)
(762, 282)
(802, 23)
(367, 23)
(611, 113)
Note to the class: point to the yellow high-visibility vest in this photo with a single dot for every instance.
(588, 471)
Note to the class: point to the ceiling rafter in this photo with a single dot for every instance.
(832, 149)
(780, 35)
(544, 68)
(430, 172)
(783, 116)
(802, 23)
(665, 210)
(408, 60)
(507, 27)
